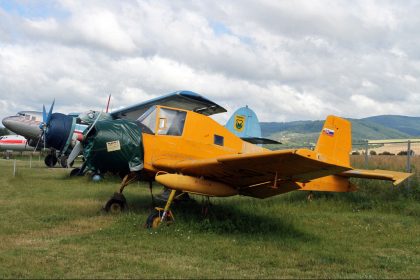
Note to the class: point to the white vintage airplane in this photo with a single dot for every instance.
(14, 143)
(27, 125)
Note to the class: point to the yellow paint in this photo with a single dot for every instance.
(334, 142)
(196, 142)
(235, 166)
(195, 185)
(332, 183)
(239, 123)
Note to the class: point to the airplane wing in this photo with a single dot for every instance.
(244, 171)
(187, 100)
(394, 176)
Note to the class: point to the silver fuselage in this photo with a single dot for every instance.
(25, 123)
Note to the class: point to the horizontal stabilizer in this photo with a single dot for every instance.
(259, 140)
(394, 176)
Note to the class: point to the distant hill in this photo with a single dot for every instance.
(303, 133)
(408, 125)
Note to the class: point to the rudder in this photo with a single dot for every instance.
(334, 142)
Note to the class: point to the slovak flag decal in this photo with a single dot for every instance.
(329, 132)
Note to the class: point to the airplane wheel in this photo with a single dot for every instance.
(50, 160)
(63, 161)
(75, 172)
(116, 204)
(153, 221)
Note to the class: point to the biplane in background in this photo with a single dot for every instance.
(185, 150)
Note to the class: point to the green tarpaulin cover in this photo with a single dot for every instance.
(114, 146)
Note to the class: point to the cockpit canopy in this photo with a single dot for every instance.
(162, 121)
(28, 115)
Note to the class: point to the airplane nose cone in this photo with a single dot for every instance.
(6, 122)
(20, 127)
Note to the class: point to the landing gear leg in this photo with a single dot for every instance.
(160, 215)
(151, 194)
(118, 203)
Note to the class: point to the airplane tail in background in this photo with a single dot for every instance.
(244, 123)
(334, 142)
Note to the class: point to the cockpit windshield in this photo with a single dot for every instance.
(171, 121)
(147, 121)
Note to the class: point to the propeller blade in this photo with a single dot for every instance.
(107, 105)
(93, 124)
(44, 117)
(50, 113)
(44, 114)
(77, 149)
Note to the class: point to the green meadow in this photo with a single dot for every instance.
(52, 226)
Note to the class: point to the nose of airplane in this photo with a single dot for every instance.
(21, 127)
(7, 122)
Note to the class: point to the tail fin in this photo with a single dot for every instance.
(334, 142)
(244, 123)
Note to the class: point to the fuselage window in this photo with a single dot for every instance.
(147, 121)
(219, 140)
(171, 122)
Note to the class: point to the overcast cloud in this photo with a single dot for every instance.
(288, 60)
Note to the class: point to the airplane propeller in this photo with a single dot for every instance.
(46, 118)
(44, 124)
(78, 148)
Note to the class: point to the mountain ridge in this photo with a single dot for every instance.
(372, 128)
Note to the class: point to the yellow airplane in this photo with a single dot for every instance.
(190, 152)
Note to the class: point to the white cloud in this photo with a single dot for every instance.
(287, 60)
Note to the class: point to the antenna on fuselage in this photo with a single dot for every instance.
(107, 105)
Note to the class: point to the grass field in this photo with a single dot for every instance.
(52, 226)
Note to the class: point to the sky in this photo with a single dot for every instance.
(287, 60)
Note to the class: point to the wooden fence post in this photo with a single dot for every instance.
(408, 168)
(366, 155)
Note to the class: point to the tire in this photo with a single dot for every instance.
(75, 172)
(50, 160)
(63, 161)
(116, 204)
(153, 221)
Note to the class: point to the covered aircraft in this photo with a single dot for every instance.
(179, 146)
(61, 132)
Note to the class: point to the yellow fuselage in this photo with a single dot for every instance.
(196, 142)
